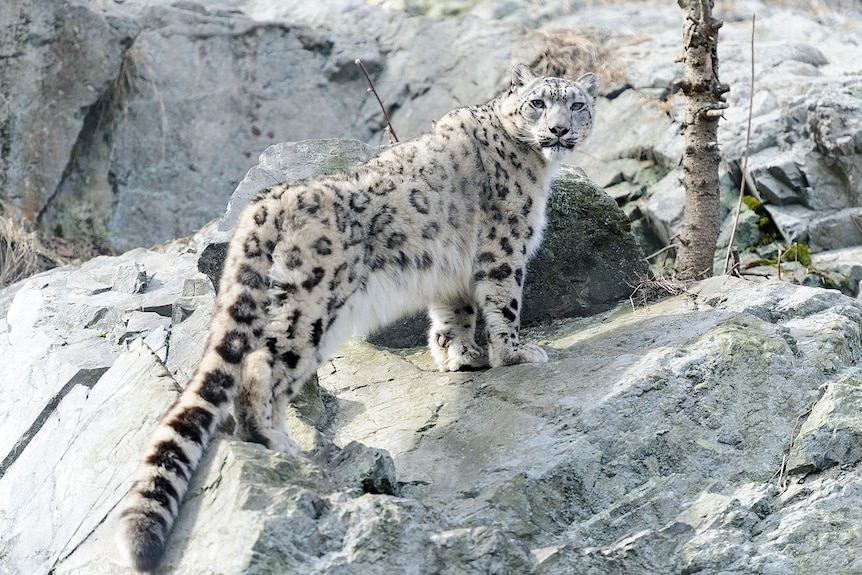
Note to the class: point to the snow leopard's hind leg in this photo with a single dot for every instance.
(274, 374)
(266, 389)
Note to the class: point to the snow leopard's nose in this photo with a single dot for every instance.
(559, 131)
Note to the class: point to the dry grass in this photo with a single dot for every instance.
(823, 10)
(651, 289)
(23, 252)
(19, 251)
(568, 54)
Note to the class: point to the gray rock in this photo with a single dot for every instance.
(776, 177)
(793, 221)
(218, 88)
(830, 184)
(831, 434)
(834, 123)
(836, 230)
(157, 102)
(623, 125)
(588, 259)
(88, 468)
(821, 230)
(293, 161)
(190, 317)
(847, 263)
(365, 469)
(59, 59)
(665, 206)
(648, 442)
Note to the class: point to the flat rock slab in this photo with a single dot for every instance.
(654, 440)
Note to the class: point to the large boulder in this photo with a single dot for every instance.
(654, 440)
(59, 60)
(193, 95)
(130, 122)
(589, 259)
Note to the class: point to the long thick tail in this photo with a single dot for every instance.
(162, 479)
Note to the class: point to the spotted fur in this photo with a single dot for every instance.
(445, 222)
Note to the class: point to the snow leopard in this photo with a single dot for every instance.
(445, 222)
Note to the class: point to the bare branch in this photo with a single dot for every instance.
(783, 473)
(389, 129)
(727, 268)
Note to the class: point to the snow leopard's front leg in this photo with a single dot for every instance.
(498, 292)
(451, 338)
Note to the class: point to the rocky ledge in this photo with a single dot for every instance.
(654, 440)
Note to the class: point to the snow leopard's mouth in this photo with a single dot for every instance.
(558, 144)
(557, 149)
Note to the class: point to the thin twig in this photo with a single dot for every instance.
(782, 475)
(671, 246)
(661, 251)
(389, 129)
(734, 269)
(745, 160)
(778, 264)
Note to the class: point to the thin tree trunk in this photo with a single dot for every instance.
(704, 106)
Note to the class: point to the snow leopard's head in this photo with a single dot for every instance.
(552, 114)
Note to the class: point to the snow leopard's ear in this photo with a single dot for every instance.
(521, 76)
(589, 83)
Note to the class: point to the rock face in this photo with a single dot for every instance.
(130, 122)
(652, 441)
(168, 131)
(804, 153)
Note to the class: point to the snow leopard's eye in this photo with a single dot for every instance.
(578, 106)
(537, 104)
